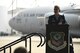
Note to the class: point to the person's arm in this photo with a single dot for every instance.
(49, 20)
(64, 21)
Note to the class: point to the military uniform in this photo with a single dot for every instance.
(60, 20)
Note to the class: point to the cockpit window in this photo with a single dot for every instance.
(20, 15)
(18, 20)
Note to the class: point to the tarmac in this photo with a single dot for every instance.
(35, 41)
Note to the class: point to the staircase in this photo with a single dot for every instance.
(26, 39)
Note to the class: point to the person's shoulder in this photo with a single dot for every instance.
(62, 16)
(51, 15)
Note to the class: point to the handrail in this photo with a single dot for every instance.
(22, 39)
(44, 39)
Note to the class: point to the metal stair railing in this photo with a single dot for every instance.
(24, 38)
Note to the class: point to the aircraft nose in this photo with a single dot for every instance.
(12, 22)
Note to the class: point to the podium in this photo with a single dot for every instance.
(57, 38)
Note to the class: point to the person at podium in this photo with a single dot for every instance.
(57, 19)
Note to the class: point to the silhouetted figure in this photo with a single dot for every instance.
(20, 50)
